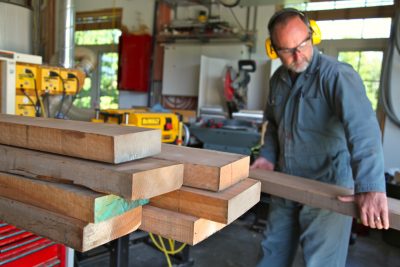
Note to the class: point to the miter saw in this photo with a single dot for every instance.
(236, 130)
(235, 85)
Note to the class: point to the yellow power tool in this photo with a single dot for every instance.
(168, 123)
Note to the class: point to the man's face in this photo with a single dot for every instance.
(292, 42)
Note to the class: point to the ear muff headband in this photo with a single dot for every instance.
(312, 25)
(285, 11)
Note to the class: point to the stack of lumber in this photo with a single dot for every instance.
(79, 197)
(84, 184)
(216, 191)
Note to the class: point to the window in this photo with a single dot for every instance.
(360, 28)
(84, 98)
(108, 83)
(100, 90)
(99, 31)
(345, 4)
(97, 37)
(368, 65)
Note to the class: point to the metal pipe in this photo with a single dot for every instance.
(151, 93)
(247, 19)
(66, 22)
(255, 19)
(36, 27)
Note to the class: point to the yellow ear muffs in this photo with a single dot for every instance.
(269, 49)
(315, 37)
(316, 32)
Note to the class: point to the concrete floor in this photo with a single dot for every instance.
(237, 245)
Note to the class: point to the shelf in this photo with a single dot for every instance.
(205, 37)
(188, 2)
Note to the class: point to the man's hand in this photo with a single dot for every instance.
(373, 208)
(262, 163)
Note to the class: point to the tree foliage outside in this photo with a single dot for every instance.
(368, 64)
(108, 82)
(84, 98)
(97, 37)
(108, 67)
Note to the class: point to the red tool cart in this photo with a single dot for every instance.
(21, 248)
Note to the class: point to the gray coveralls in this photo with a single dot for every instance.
(320, 127)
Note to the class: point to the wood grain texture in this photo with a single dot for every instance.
(207, 169)
(67, 199)
(177, 226)
(139, 179)
(1, 86)
(71, 232)
(316, 194)
(224, 206)
(95, 141)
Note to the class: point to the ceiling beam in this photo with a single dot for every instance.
(353, 13)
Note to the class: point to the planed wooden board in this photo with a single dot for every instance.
(316, 194)
(139, 179)
(67, 199)
(95, 141)
(177, 226)
(71, 232)
(207, 169)
(224, 206)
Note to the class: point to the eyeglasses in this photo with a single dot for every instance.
(290, 51)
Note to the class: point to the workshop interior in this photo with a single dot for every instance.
(195, 70)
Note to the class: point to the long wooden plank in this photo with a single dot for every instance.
(71, 232)
(317, 194)
(177, 226)
(70, 200)
(96, 141)
(207, 169)
(140, 179)
(224, 206)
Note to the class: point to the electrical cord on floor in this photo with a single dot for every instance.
(161, 246)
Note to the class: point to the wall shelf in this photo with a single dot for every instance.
(211, 30)
(206, 37)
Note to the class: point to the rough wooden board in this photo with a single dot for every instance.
(66, 199)
(177, 226)
(207, 169)
(96, 141)
(317, 194)
(139, 179)
(71, 232)
(1, 86)
(224, 206)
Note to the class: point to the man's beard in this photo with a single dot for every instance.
(299, 68)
